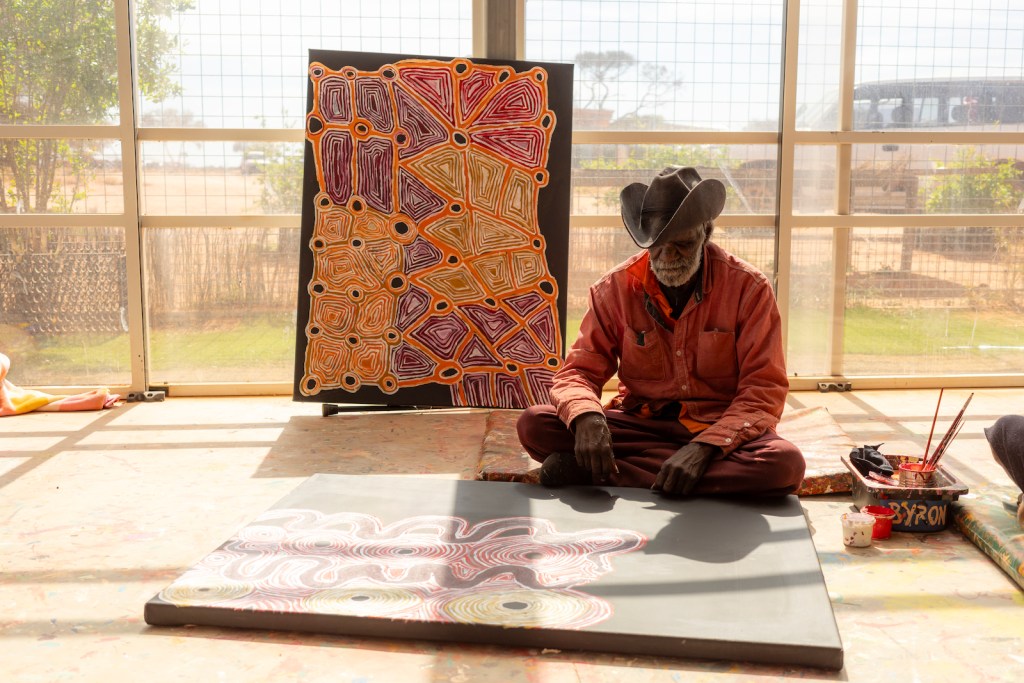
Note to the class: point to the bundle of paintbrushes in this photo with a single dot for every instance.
(931, 461)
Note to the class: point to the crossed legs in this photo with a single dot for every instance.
(767, 466)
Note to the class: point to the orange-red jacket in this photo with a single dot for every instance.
(721, 359)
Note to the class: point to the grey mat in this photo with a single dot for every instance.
(609, 569)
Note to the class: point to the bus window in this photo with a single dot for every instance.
(886, 107)
(938, 103)
(927, 112)
(874, 113)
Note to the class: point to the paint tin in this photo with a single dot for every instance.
(857, 529)
(883, 516)
(913, 474)
(918, 509)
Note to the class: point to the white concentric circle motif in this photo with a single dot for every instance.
(525, 608)
(261, 534)
(362, 601)
(199, 592)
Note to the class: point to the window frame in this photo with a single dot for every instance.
(494, 37)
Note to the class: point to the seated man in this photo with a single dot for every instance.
(1006, 438)
(695, 336)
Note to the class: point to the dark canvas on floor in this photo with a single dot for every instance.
(606, 569)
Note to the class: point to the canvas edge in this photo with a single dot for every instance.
(162, 614)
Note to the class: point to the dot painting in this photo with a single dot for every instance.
(429, 265)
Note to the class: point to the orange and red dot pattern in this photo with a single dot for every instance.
(428, 261)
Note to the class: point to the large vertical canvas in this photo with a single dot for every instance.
(434, 230)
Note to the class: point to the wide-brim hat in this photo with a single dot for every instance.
(678, 193)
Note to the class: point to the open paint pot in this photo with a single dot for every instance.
(857, 529)
(883, 516)
(913, 475)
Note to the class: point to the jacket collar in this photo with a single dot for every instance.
(655, 302)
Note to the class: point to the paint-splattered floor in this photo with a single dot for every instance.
(99, 511)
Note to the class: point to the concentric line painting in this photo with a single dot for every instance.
(434, 231)
(509, 571)
(518, 565)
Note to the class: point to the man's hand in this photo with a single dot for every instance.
(680, 473)
(594, 445)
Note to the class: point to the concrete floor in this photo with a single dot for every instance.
(99, 511)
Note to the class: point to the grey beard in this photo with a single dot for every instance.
(676, 274)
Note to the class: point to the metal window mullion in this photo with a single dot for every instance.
(520, 33)
(579, 136)
(909, 220)
(844, 162)
(903, 382)
(61, 220)
(268, 221)
(670, 137)
(732, 220)
(160, 134)
(126, 88)
(84, 132)
(480, 28)
(907, 137)
(784, 201)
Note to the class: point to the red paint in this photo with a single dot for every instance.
(883, 520)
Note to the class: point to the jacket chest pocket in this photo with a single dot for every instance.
(716, 355)
(643, 355)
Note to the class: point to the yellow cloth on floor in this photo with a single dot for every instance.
(16, 401)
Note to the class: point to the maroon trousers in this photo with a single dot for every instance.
(767, 466)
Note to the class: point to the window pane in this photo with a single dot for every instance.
(810, 302)
(221, 177)
(58, 63)
(938, 179)
(592, 253)
(601, 171)
(814, 179)
(925, 63)
(935, 300)
(243, 64)
(46, 175)
(711, 64)
(817, 88)
(756, 246)
(221, 304)
(63, 305)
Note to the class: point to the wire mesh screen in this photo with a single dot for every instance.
(63, 305)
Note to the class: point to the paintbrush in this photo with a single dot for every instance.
(951, 433)
(888, 481)
(932, 432)
(954, 430)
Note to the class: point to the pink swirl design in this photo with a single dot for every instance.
(510, 571)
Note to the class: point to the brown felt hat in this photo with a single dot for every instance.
(676, 199)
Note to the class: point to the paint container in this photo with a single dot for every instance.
(924, 508)
(857, 529)
(883, 516)
(913, 475)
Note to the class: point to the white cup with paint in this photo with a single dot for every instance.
(857, 528)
